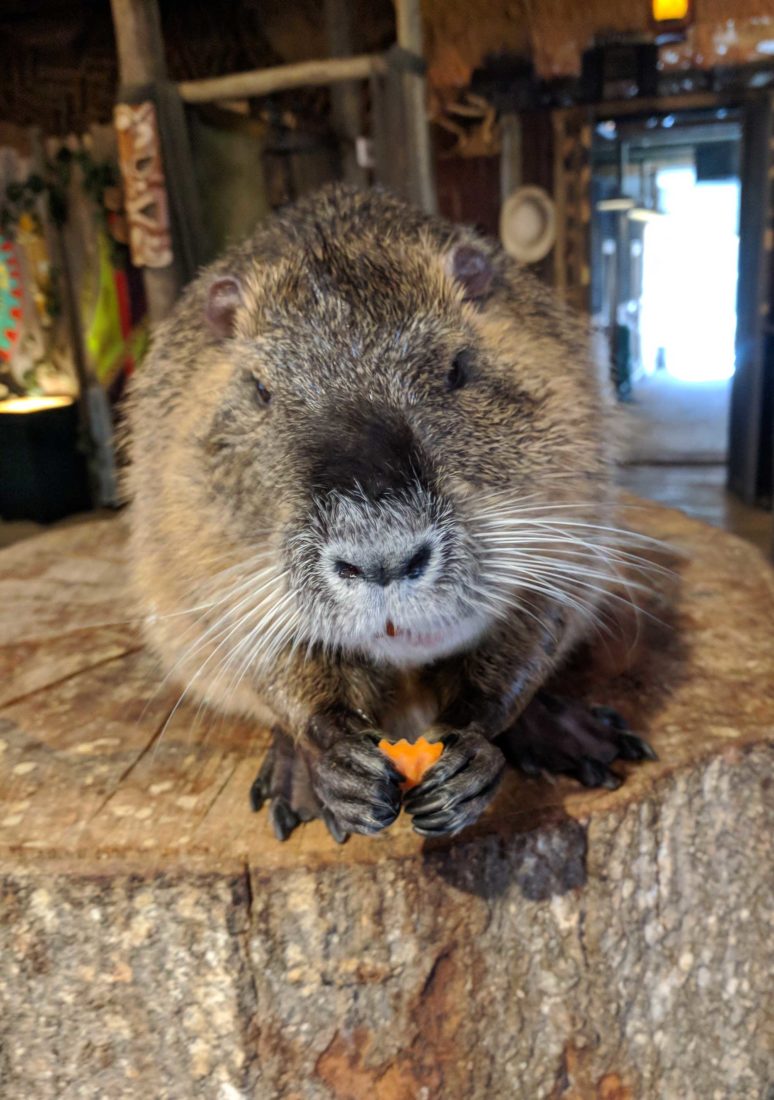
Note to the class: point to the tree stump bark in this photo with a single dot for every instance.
(156, 941)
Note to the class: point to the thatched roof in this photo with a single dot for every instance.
(58, 66)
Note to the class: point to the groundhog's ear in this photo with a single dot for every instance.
(224, 297)
(473, 269)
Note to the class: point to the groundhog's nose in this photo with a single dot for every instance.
(383, 570)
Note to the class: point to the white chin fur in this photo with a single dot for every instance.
(416, 649)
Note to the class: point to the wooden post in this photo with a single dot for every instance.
(750, 415)
(93, 407)
(162, 207)
(422, 184)
(392, 152)
(346, 107)
(139, 41)
(511, 173)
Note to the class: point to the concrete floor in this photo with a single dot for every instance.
(675, 422)
(700, 491)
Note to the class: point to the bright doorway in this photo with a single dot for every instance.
(665, 249)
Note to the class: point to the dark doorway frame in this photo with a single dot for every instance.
(751, 420)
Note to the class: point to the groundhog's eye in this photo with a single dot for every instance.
(459, 371)
(264, 396)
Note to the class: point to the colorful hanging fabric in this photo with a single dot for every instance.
(113, 338)
(11, 299)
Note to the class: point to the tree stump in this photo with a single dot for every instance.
(156, 941)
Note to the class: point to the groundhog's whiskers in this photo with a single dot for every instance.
(501, 606)
(246, 584)
(253, 648)
(224, 628)
(521, 524)
(268, 645)
(551, 549)
(253, 657)
(194, 609)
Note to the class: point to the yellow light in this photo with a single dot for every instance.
(670, 11)
(33, 404)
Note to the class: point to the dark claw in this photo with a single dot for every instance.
(437, 824)
(454, 820)
(563, 737)
(423, 830)
(456, 756)
(283, 819)
(529, 765)
(339, 834)
(610, 717)
(430, 801)
(593, 774)
(358, 784)
(458, 787)
(363, 818)
(261, 788)
(257, 794)
(632, 747)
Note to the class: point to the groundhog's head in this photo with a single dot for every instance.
(377, 405)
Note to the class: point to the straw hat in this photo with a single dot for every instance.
(528, 224)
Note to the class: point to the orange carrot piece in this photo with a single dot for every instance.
(412, 760)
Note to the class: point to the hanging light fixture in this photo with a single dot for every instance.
(670, 19)
(615, 204)
(670, 11)
(644, 214)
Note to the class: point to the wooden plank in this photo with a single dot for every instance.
(279, 78)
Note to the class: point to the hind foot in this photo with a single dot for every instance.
(563, 737)
(284, 781)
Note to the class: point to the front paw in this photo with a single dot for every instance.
(457, 788)
(358, 784)
(564, 737)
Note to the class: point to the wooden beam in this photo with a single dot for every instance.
(408, 15)
(259, 82)
(659, 105)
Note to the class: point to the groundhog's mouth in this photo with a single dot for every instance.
(423, 643)
(412, 637)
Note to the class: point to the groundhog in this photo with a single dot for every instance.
(372, 481)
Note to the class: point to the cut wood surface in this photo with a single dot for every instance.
(156, 940)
